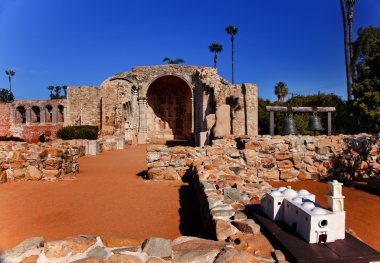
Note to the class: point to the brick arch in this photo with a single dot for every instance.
(20, 114)
(35, 114)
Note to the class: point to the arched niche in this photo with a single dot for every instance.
(60, 114)
(169, 111)
(35, 116)
(20, 115)
(48, 113)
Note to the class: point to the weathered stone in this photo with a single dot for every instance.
(97, 252)
(285, 164)
(156, 173)
(233, 255)
(231, 193)
(171, 174)
(89, 260)
(157, 247)
(155, 260)
(124, 259)
(224, 229)
(271, 174)
(222, 125)
(257, 245)
(73, 245)
(16, 254)
(247, 226)
(279, 255)
(115, 241)
(199, 250)
(18, 173)
(33, 173)
(210, 121)
(283, 156)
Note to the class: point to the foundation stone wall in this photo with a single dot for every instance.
(5, 119)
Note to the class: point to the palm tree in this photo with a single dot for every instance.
(346, 52)
(176, 61)
(350, 17)
(216, 48)
(57, 90)
(51, 88)
(281, 90)
(10, 73)
(232, 30)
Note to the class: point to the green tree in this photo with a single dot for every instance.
(281, 90)
(10, 73)
(175, 61)
(6, 96)
(346, 51)
(64, 87)
(215, 48)
(366, 88)
(51, 88)
(232, 30)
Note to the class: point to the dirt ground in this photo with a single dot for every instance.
(108, 198)
(362, 208)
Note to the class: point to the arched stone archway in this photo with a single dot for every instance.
(169, 110)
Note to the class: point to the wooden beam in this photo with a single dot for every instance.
(299, 109)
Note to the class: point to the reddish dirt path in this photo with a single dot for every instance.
(106, 199)
(362, 209)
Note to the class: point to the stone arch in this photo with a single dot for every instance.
(48, 113)
(145, 88)
(35, 114)
(60, 114)
(169, 109)
(20, 115)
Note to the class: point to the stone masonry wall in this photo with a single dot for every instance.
(83, 106)
(20, 161)
(5, 119)
(287, 158)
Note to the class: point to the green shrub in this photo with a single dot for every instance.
(78, 132)
(66, 133)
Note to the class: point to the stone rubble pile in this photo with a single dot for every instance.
(97, 249)
(20, 161)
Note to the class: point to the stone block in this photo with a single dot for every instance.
(283, 156)
(271, 174)
(157, 247)
(33, 173)
(233, 255)
(285, 164)
(156, 173)
(92, 147)
(17, 253)
(223, 120)
(247, 226)
(71, 245)
(116, 241)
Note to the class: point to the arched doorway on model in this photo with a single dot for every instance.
(169, 110)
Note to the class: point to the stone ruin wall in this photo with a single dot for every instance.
(33, 125)
(5, 119)
(82, 106)
(288, 158)
(21, 161)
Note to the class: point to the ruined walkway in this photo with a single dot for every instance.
(106, 199)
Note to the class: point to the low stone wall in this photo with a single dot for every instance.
(286, 158)
(122, 249)
(20, 161)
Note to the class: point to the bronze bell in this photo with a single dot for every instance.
(314, 123)
(289, 125)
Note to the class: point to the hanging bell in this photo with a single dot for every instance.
(314, 123)
(289, 125)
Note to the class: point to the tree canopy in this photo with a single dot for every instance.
(366, 87)
(6, 95)
(175, 61)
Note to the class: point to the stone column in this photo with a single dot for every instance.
(142, 130)
(192, 114)
(27, 114)
(42, 114)
(54, 114)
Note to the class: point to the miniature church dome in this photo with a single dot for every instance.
(319, 211)
(289, 193)
(308, 205)
(275, 193)
(303, 192)
(297, 200)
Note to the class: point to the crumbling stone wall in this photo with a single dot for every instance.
(286, 158)
(83, 106)
(28, 119)
(5, 119)
(20, 161)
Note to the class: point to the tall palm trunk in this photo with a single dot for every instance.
(350, 21)
(346, 52)
(233, 72)
(215, 59)
(10, 84)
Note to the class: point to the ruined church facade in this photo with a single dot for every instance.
(154, 104)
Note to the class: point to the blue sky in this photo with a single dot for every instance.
(82, 42)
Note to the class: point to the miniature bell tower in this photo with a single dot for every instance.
(335, 197)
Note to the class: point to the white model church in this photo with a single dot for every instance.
(298, 209)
